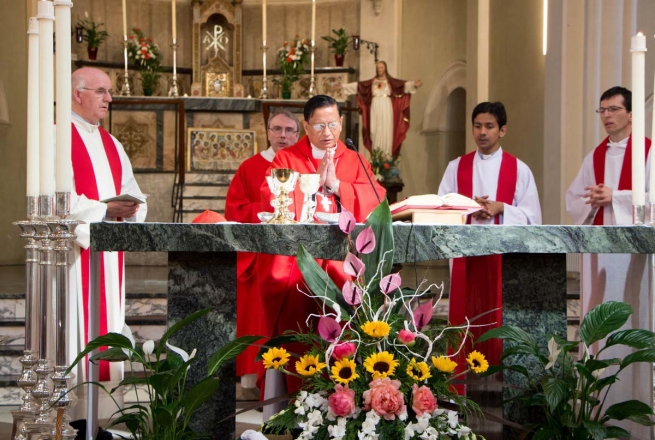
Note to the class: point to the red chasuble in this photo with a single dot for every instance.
(625, 180)
(476, 282)
(85, 184)
(242, 205)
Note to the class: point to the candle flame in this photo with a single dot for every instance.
(639, 34)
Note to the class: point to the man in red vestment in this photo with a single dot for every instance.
(343, 182)
(504, 186)
(242, 205)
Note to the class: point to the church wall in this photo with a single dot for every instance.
(431, 42)
(13, 75)
(516, 78)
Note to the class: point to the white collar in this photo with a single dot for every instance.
(317, 153)
(268, 154)
(623, 143)
(489, 156)
(84, 124)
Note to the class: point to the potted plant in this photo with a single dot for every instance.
(93, 35)
(339, 45)
(145, 52)
(291, 58)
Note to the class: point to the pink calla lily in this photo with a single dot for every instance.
(352, 293)
(423, 315)
(329, 328)
(353, 266)
(365, 242)
(390, 283)
(346, 221)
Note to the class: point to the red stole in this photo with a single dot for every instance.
(625, 179)
(85, 184)
(476, 282)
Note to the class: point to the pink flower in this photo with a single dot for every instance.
(390, 283)
(423, 315)
(423, 400)
(353, 266)
(342, 401)
(351, 293)
(346, 221)
(406, 337)
(384, 397)
(365, 242)
(344, 350)
(328, 328)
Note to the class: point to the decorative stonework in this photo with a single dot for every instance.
(140, 145)
(218, 149)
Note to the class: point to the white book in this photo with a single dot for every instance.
(136, 198)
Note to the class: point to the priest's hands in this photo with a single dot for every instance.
(599, 195)
(121, 209)
(327, 171)
(490, 208)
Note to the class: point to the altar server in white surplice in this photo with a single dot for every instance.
(601, 194)
(101, 170)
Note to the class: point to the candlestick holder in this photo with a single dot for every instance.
(651, 214)
(125, 86)
(638, 212)
(312, 78)
(264, 93)
(172, 90)
(47, 207)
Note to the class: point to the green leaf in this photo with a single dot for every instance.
(277, 341)
(594, 429)
(632, 410)
(616, 432)
(511, 333)
(161, 382)
(555, 391)
(597, 364)
(163, 417)
(178, 325)
(381, 225)
(108, 340)
(112, 354)
(197, 395)
(229, 351)
(130, 380)
(639, 356)
(603, 382)
(602, 320)
(319, 282)
(632, 338)
(516, 349)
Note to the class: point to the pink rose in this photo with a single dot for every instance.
(342, 401)
(385, 398)
(423, 400)
(406, 337)
(344, 350)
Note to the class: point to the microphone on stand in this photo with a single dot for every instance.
(351, 146)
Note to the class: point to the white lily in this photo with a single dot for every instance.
(554, 352)
(148, 347)
(177, 350)
(127, 332)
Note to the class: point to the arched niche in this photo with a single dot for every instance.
(435, 117)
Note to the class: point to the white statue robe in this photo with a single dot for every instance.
(91, 211)
(615, 277)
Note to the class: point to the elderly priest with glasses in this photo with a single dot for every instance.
(344, 183)
(101, 172)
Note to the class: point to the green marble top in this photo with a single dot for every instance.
(413, 242)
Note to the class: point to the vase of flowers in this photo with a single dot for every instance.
(290, 59)
(378, 364)
(93, 35)
(145, 53)
(385, 166)
(338, 45)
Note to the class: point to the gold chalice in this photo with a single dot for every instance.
(283, 182)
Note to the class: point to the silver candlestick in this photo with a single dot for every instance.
(125, 87)
(264, 94)
(651, 214)
(312, 79)
(173, 91)
(638, 214)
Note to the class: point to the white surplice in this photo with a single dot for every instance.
(91, 211)
(615, 277)
(525, 209)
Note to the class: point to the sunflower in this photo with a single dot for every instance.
(380, 365)
(275, 358)
(343, 371)
(418, 370)
(376, 329)
(309, 365)
(444, 364)
(477, 362)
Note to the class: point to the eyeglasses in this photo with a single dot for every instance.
(100, 92)
(278, 130)
(331, 125)
(611, 110)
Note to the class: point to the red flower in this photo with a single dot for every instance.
(386, 166)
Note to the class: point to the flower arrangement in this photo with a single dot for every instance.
(384, 166)
(166, 414)
(339, 45)
(378, 365)
(145, 52)
(92, 34)
(570, 390)
(291, 58)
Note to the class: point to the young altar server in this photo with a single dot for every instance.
(242, 205)
(505, 188)
(601, 195)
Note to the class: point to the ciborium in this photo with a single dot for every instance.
(282, 183)
(309, 185)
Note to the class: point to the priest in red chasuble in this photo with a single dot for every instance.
(601, 195)
(383, 103)
(101, 170)
(504, 186)
(242, 205)
(344, 182)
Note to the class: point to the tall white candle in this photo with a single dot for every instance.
(638, 49)
(45, 11)
(174, 21)
(264, 21)
(64, 173)
(33, 109)
(313, 21)
(124, 20)
(651, 196)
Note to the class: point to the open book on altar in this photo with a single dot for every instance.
(136, 198)
(450, 209)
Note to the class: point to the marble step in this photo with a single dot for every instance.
(209, 178)
(199, 190)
